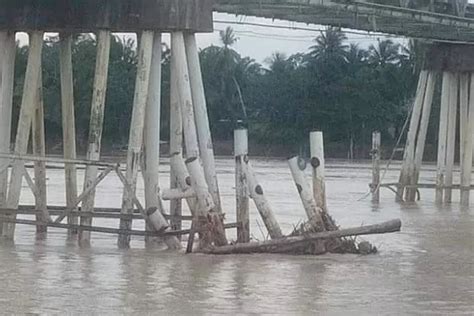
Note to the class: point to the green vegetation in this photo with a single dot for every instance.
(341, 89)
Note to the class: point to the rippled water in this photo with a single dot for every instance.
(428, 268)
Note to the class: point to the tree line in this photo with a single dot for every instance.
(340, 88)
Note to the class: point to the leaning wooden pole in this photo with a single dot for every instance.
(468, 147)
(7, 65)
(409, 153)
(202, 121)
(136, 129)
(421, 137)
(152, 129)
(316, 141)
(241, 187)
(261, 202)
(68, 124)
(27, 110)
(39, 150)
(313, 211)
(442, 136)
(375, 187)
(451, 138)
(95, 127)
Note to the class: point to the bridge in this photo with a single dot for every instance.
(442, 20)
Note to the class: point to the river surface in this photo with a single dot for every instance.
(427, 268)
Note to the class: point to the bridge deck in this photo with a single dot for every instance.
(359, 15)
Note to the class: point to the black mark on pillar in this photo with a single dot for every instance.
(151, 210)
(246, 158)
(258, 190)
(189, 160)
(188, 180)
(299, 188)
(315, 162)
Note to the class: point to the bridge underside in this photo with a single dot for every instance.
(358, 15)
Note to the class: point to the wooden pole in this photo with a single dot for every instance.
(202, 122)
(376, 139)
(409, 153)
(261, 202)
(24, 123)
(313, 212)
(463, 112)
(68, 123)
(7, 66)
(451, 140)
(422, 132)
(39, 149)
(176, 142)
(95, 126)
(136, 128)
(468, 145)
(241, 187)
(284, 244)
(183, 182)
(442, 135)
(316, 142)
(152, 130)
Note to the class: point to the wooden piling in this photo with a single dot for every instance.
(24, 124)
(7, 65)
(468, 146)
(39, 149)
(152, 130)
(183, 182)
(316, 142)
(241, 188)
(376, 139)
(261, 202)
(421, 137)
(442, 135)
(202, 121)
(176, 143)
(313, 212)
(451, 138)
(137, 128)
(409, 153)
(95, 127)
(68, 123)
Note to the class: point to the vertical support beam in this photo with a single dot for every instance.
(39, 150)
(421, 137)
(95, 127)
(68, 125)
(152, 130)
(376, 166)
(184, 94)
(202, 121)
(24, 124)
(468, 145)
(136, 129)
(7, 66)
(316, 141)
(451, 140)
(241, 188)
(442, 135)
(409, 154)
(463, 111)
(176, 143)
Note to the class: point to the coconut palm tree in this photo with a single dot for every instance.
(386, 52)
(330, 45)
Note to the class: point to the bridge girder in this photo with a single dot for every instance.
(361, 15)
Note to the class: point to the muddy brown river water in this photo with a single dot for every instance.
(427, 268)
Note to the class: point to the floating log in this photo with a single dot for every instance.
(285, 244)
(177, 194)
